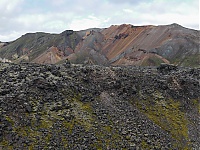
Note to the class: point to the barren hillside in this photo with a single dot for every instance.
(117, 45)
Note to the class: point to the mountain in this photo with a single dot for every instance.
(67, 106)
(117, 45)
(2, 44)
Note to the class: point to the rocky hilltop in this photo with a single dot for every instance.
(117, 45)
(94, 107)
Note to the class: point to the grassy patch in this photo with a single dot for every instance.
(188, 61)
(152, 61)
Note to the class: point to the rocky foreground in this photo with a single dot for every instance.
(94, 107)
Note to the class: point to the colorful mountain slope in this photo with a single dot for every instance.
(117, 45)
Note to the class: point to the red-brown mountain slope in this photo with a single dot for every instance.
(117, 45)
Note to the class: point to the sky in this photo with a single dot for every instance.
(18, 17)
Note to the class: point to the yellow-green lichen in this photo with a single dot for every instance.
(106, 136)
(167, 114)
(196, 102)
(82, 113)
(144, 145)
(108, 128)
(4, 143)
(9, 119)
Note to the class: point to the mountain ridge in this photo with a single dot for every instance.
(124, 44)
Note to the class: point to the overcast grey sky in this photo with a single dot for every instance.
(54, 16)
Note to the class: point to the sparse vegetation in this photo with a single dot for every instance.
(167, 114)
(96, 107)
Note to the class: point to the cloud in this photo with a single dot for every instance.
(160, 12)
(21, 16)
(178, 11)
(85, 23)
(9, 7)
(130, 2)
(9, 36)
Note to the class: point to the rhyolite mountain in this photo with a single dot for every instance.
(117, 45)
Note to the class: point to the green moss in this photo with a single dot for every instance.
(108, 129)
(152, 61)
(167, 115)
(188, 61)
(157, 95)
(69, 125)
(9, 119)
(144, 145)
(45, 123)
(106, 136)
(87, 107)
(82, 112)
(47, 138)
(31, 147)
(97, 145)
(197, 104)
(64, 141)
(4, 143)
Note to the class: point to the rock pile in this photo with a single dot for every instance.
(4, 60)
(93, 107)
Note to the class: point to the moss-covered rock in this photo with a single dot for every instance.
(95, 107)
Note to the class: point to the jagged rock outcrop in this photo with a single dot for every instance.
(94, 107)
